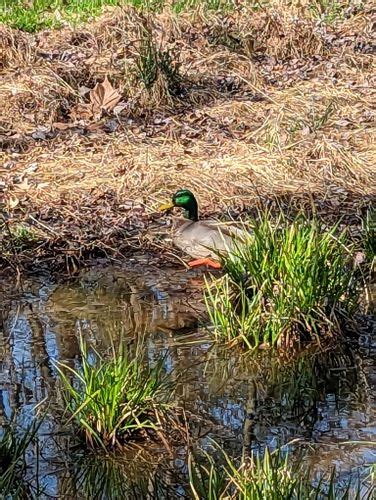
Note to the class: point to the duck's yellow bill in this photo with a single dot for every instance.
(166, 206)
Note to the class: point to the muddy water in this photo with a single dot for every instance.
(312, 404)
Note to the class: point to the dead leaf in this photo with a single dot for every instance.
(31, 168)
(343, 123)
(42, 185)
(13, 201)
(359, 258)
(39, 135)
(24, 185)
(104, 97)
(94, 127)
(111, 126)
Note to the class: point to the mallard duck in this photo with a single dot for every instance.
(201, 239)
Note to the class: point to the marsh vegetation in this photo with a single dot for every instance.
(288, 279)
(262, 104)
(114, 398)
(135, 378)
(270, 477)
(14, 443)
(123, 420)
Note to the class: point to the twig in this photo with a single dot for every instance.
(44, 226)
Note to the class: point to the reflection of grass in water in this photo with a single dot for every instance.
(103, 478)
(13, 447)
(288, 386)
(111, 399)
(270, 477)
(295, 386)
(286, 279)
(108, 477)
(136, 472)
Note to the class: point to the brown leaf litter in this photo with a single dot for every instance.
(103, 98)
(274, 106)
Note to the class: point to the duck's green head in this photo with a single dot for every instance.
(184, 199)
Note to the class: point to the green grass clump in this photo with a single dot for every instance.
(40, 14)
(270, 477)
(112, 399)
(329, 11)
(286, 278)
(156, 64)
(35, 15)
(22, 236)
(13, 446)
(214, 5)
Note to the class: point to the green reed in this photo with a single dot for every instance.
(13, 446)
(271, 477)
(284, 278)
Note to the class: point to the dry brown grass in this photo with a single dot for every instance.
(273, 104)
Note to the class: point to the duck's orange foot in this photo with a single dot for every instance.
(205, 262)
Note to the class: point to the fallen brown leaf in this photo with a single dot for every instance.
(104, 97)
(13, 201)
(24, 185)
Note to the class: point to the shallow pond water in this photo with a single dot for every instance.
(313, 404)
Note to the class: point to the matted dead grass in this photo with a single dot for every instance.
(271, 105)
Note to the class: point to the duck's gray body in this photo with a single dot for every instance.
(205, 239)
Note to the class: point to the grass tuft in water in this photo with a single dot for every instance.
(111, 399)
(270, 477)
(287, 280)
(264, 477)
(13, 447)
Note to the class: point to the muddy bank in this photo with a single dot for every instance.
(272, 107)
(64, 247)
